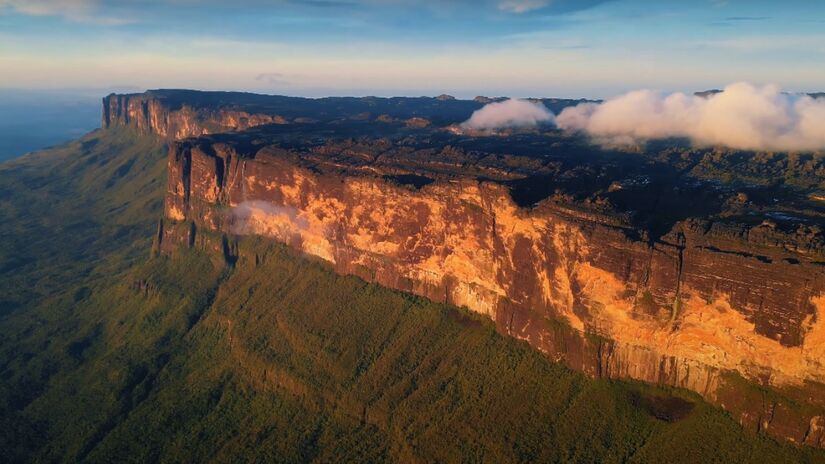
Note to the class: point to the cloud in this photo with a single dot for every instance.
(521, 6)
(340, 13)
(743, 116)
(813, 43)
(258, 216)
(509, 114)
(272, 78)
(747, 18)
(82, 11)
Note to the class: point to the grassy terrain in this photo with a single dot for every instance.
(108, 355)
(77, 212)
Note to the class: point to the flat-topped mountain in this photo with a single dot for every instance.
(186, 113)
(186, 299)
(701, 268)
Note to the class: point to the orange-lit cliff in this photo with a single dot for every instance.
(735, 312)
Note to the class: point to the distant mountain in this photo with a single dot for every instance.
(239, 110)
(708, 93)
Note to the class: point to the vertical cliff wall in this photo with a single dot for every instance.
(178, 114)
(735, 313)
(701, 307)
(151, 115)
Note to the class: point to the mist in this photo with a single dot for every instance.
(248, 216)
(509, 114)
(743, 116)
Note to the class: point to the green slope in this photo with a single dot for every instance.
(107, 355)
(68, 212)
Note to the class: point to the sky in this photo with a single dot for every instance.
(551, 48)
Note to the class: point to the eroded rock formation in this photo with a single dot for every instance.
(150, 114)
(728, 309)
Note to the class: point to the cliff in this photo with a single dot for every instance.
(729, 304)
(150, 113)
(178, 114)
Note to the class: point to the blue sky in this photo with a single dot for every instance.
(592, 48)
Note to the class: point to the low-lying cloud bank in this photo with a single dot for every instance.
(509, 114)
(743, 116)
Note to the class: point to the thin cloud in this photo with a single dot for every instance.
(81, 11)
(747, 18)
(522, 6)
(272, 78)
(755, 44)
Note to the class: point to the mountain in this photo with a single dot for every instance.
(187, 113)
(637, 280)
(203, 338)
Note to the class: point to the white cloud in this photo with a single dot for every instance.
(522, 6)
(509, 114)
(272, 78)
(82, 11)
(743, 116)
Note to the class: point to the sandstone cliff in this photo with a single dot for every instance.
(150, 114)
(179, 114)
(730, 309)
(685, 310)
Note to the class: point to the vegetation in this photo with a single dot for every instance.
(76, 213)
(109, 355)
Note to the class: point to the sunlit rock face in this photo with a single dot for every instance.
(178, 114)
(683, 311)
(697, 295)
(708, 306)
(151, 115)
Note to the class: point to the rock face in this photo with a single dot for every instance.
(149, 114)
(683, 311)
(178, 114)
(729, 311)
